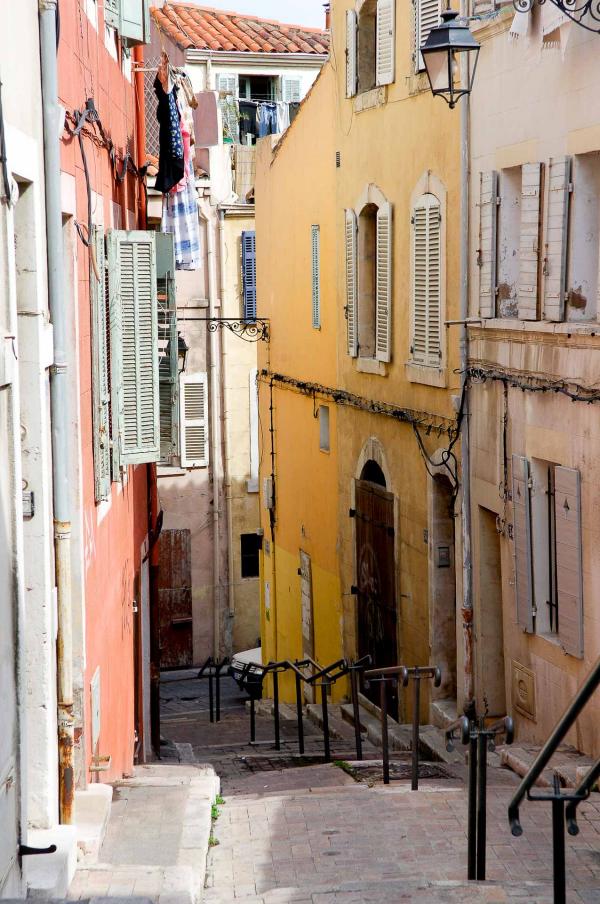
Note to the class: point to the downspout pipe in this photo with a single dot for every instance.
(59, 406)
(466, 527)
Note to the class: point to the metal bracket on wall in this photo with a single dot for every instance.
(576, 10)
(256, 330)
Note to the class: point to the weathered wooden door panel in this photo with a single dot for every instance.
(377, 616)
(175, 599)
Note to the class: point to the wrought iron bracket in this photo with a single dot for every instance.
(575, 10)
(256, 330)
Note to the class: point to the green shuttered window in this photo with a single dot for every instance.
(100, 369)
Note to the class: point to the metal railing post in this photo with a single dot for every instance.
(218, 690)
(210, 695)
(299, 712)
(356, 713)
(276, 708)
(324, 686)
(385, 748)
(472, 809)
(558, 845)
(415, 733)
(482, 748)
(252, 720)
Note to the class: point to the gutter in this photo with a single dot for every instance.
(59, 406)
(249, 59)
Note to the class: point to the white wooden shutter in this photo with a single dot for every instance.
(351, 55)
(426, 282)
(557, 230)
(569, 563)
(134, 26)
(112, 13)
(383, 325)
(386, 41)
(351, 283)
(488, 243)
(168, 347)
(521, 499)
(316, 277)
(292, 89)
(228, 84)
(193, 417)
(100, 376)
(529, 245)
(133, 347)
(427, 16)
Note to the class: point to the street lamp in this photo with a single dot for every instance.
(447, 45)
(182, 350)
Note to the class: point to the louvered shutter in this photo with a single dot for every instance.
(100, 376)
(521, 499)
(112, 13)
(386, 41)
(488, 243)
(133, 347)
(228, 84)
(134, 25)
(194, 420)
(383, 326)
(291, 90)
(426, 300)
(168, 350)
(351, 283)
(351, 56)
(427, 16)
(529, 247)
(557, 230)
(316, 277)
(249, 274)
(569, 563)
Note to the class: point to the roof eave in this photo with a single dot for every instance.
(197, 55)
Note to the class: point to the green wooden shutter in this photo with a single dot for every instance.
(521, 500)
(100, 376)
(134, 25)
(112, 13)
(167, 347)
(133, 348)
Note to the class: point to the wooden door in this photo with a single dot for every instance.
(377, 618)
(175, 599)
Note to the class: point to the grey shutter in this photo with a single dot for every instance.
(427, 16)
(383, 324)
(249, 274)
(521, 499)
(316, 277)
(112, 13)
(351, 57)
(557, 230)
(291, 92)
(168, 357)
(133, 347)
(194, 420)
(386, 41)
(426, 285)
(100, 377)
(351, 283)
(134, 26)
(529, 244)
(569, 562)
(488, 230)
(229, 84)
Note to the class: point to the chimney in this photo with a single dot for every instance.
(327, 7)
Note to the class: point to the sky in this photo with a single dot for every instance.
(298, 12)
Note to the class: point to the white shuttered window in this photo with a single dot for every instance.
(351, 53)
(426, 345)
(133, 348)
(316, 276)
(529, 244)
(427, 16)
(569, 562)
(193, 417)
(557, 229)
(383, 314)
(488, 243)
(386, 41)
(351, 283)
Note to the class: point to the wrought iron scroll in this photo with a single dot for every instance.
(249, 330)
(576, 10)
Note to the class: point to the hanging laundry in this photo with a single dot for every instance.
(294, 107)
(266, 117)
(248, 123)
(283, 115)
(230, 113)
(180, 217)
(171, 166)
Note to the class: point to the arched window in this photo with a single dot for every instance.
(426, 332)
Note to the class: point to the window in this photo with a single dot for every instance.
(316, 277)
(508, 232)
(249, 275)
(369, 278)
(193, 419)
(324, 445)
(168, 347)
(257, 87)
(291, 90)
(227, 84)
(548, 551)
(584, 240)
(427, 16)
(557, 230)
(250, 546)
(131, 18)
(426, 346)
(370, 46)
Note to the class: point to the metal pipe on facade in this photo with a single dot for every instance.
(59, 389)
(467, 565)
(226, 472)
(140, 127)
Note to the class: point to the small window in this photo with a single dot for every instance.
(324, 444)
(250, 546)
(508, 237)
(584, 239)
(316, 277)
(367, 46)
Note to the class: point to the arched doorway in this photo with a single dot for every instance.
(375, 570)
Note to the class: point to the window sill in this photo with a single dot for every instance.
(371, 366)
(170, 471)
(370, 100)
(424, 373)
(563, 327)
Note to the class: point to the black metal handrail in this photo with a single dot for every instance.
(212, 669)
(557, 797)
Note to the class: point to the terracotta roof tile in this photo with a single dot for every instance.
(204, 28)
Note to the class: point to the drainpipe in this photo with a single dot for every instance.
(59, 407)
(467, 565)
(140, 127)
(226, 473)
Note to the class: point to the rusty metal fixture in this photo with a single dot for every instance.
(64, 668)
(469, 689)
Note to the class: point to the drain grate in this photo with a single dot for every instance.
(274, 763)
(367, 771)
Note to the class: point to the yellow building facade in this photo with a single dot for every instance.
(358, 217)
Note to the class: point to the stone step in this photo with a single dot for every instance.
(49, 875)
(570, 765)
(339, 730)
